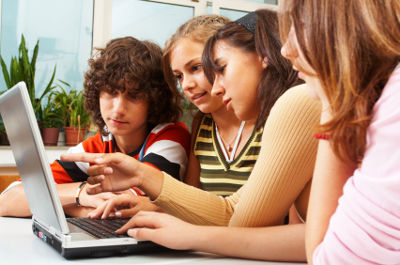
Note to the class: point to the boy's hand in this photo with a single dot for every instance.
(95, 200)
(123, 206)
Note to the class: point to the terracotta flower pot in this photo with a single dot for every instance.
(73, 135)
(50, 135)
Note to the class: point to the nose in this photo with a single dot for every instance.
(287, 50)
(187, 83)
(217, 88)
(119, 105)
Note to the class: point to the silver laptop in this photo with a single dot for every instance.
(49, 221)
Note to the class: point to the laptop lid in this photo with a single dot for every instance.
(29, 153)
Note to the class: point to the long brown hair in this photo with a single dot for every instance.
(128, 63)
(279, 74)
(198, 29)
(354, 46)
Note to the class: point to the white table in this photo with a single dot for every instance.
(18, 245)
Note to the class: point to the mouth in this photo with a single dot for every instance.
(198, 95)
(227, 102)
(117, 122)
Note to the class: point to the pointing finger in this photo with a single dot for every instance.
(81, 157)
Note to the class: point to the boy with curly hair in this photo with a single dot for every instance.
(136, 113)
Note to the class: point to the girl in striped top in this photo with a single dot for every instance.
(224, 148)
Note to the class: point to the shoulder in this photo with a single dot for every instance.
(93, 144)
(296, 102)
(197, 120)
(294, 111)
(167, 128)
(389, 101)
(295, 96)
(176, 132)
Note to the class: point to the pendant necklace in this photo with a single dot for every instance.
(229, 148)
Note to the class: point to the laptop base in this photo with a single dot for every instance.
(98, 251)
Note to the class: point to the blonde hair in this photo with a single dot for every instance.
(354, 46)
(198, 29)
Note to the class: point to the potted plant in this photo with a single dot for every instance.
(21, 69)
(51, 120)
(76, 119)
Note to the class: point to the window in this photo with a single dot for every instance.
(147, 20)
(68, 30)
(64, 31)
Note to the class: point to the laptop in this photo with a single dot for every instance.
(49, 221)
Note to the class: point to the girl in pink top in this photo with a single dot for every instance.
(348, 52)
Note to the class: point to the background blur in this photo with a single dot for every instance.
(69, 30)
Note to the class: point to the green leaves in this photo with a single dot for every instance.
(72, 103)
(23, 69)
(5, 72)
(51, 115)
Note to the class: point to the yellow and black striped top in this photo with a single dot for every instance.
(217, 175)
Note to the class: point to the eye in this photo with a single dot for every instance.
(220, 69)
(178, 77)
(138, 96)
(196, 67)
(111, 93)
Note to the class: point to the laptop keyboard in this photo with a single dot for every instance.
(100, 228)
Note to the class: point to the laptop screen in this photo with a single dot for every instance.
(27, 146)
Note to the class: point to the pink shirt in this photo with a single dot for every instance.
(365, 229)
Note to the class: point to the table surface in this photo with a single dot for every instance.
(18, 245)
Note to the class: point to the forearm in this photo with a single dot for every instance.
(14, 203)
(151, 180)
(330, 175)
(77, 211)
(275, 243)
(67, 193)
(194, 205)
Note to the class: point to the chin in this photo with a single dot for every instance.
(114, 131)
(241, 116)
(207, 109)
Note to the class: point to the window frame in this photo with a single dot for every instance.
(102, 17)
(102, 13)
(240, 5)
(101, 31)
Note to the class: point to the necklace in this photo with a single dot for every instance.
(231, 149)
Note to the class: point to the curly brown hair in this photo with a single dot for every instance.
(131, 61)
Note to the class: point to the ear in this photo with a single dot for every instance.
(264, 62)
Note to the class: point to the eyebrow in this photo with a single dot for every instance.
(217, 61)
(188, 63)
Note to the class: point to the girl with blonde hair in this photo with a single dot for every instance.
(224, 147)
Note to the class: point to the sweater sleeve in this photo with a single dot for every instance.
(286, 161)
(265, 198)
